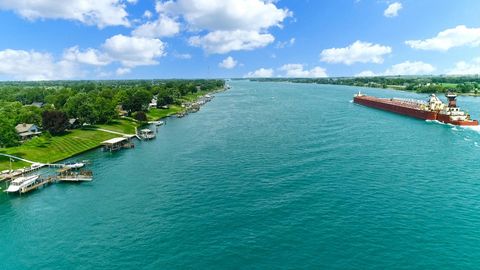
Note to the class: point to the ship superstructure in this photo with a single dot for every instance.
(432, 109)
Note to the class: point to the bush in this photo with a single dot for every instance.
(140, 116)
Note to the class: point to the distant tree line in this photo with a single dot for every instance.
(421, 84)
(50, 104)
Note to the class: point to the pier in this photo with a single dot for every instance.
(37, 184)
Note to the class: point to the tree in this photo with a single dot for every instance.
(54, 122)
(140, 116)
(138, 101)
(8, 135)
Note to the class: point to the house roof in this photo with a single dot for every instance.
(21, 128)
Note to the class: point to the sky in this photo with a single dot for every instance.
(147, 39)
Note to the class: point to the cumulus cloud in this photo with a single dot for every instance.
(228, 63)
(89, 56)
(359, 51)
(285, 44)
(466, 68)
(230, 25)
(32, 65)
(447, 39)
(122, 71)
(226, 15)
(392, 10)
(134, 51)
(404, 68)
(164, 26)
(92, 12)
(222, 42)
(411, 68)
(298, 71)
(260, 73)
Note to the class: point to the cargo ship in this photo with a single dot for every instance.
(432, 109)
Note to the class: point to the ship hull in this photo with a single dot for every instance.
(391, 106)
(408, 111)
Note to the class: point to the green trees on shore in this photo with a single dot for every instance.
(421, 84)
(50, 103)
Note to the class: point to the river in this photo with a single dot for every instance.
(266, 176)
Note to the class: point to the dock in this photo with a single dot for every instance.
(37, 184)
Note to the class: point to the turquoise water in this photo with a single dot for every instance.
(266, 176)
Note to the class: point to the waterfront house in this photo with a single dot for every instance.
(27, 131)
(153, 103)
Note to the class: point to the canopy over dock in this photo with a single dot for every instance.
(116, 144)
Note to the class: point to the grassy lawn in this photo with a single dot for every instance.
(48, 150)
(156, 114)
(121, 125)
(449, 85)
(194, 96)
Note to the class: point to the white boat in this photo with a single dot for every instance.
(74, 165)
(21, 182)
(147, 134)
(157, 123)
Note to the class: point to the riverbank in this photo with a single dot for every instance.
(54, 149)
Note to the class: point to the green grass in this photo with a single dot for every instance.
(121, 125)
(449, 85)
(156, 114)
(194, 96)
(53, 149)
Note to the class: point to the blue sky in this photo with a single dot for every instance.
(136, 39)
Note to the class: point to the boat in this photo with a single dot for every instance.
(157, 123)
(147, 134)
(433, 109)
(74, 165)
(21, 182)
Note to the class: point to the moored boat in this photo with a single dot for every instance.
(21, 182)
(433, 109)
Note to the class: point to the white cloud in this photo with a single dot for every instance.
(163, 27)
(122, 71)
(182, 55)
(148, 14)
(298, 71)
(284, 44)
(226, 15)
(466, 68)
(231, 25)
(92, 12)
(260, 73)
(366, 73)
(410, 68)
(404, 68)
(89, 56)
(134, 51)
(32, 65)
(453, 37)
(359, 51)
(228, 63)
(221, 42)
(392, 10)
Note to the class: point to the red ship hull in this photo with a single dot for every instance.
(408, 110)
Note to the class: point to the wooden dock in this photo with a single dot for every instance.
(39, 183)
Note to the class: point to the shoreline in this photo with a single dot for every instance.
(98, 145)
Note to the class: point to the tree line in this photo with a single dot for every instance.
(50, 104)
